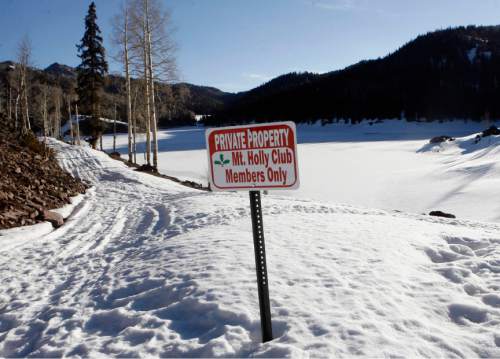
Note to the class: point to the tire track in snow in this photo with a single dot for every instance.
(70, 258)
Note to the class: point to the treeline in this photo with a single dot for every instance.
(451, 73)
(178, 103)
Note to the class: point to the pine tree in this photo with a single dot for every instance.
(91, 73)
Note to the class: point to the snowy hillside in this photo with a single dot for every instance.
(148, 267)
(383, 165)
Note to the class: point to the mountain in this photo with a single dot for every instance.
(61, 70)
(205, 99)
(447, 73)
(202, 99)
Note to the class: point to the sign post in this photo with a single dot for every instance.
(251, 158)
(261, 266)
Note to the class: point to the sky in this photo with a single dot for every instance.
(236, 45)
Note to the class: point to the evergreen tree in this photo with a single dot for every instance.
(91, 73)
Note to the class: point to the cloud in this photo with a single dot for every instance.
(348, 5)
(254, 76)
(342, 5)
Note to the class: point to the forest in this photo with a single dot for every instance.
(178, 102)
(450, 73)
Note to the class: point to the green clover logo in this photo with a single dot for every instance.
(222, 161)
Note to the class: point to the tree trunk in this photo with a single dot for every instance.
(134, 120)
(24, 99)
(134, 140)
(114, 131)
(16, 112)
(28, 125)
(10, 104)
(70, 122)
(77, 126)
(45, 114)
(127, 85)
(57, 116)
(151, 91)
(148, 109)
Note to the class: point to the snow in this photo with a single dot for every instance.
(81, 118)
(487, 55)
(376, 166)
(146, 267)
(15, 236)
(471, 54)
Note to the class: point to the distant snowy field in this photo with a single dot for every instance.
(145, 267)
(384, 166)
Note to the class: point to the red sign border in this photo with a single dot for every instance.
(290, 124)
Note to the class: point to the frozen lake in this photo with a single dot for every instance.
(376, 166)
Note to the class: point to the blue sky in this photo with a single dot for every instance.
(238, 44)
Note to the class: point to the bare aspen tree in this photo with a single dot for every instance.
(121, 35)
(152, 42)
(154, 127)
(24, 58)
(161, 50)
(143, 46)
(139, 62)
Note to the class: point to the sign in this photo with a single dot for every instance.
(253, 157)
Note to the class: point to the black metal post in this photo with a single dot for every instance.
(261, 266)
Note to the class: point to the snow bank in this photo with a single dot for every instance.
(16, 236)
(152, 268)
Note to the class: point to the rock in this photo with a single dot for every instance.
(441, 214)
(440, 139)
(192, 184)
(147, 168)
(54, 218)
(493, 130)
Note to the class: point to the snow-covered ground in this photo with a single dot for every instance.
(377, 166)
(146, 267)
